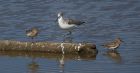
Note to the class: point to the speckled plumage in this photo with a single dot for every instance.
(113, 44)
(33, 32)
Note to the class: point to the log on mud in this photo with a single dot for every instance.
(48, 47)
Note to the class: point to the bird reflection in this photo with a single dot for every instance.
(33, 66)
(61, 63)
(114, 55)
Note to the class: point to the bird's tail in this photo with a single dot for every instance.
(102, 45)
(83, 22)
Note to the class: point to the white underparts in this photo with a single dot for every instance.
(64, 24)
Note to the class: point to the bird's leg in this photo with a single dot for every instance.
(69, 33)
(68, 39)
(32, 40)
(113, 50)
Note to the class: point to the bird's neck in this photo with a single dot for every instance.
(60, 18)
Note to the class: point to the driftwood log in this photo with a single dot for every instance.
(47, 47)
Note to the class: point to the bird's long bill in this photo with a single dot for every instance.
(122, 41)
(56, 19)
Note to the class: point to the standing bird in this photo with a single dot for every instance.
(113, 44)
(33, 32)
(67, 24)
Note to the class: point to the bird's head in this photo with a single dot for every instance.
(120, 40)
(60, 14)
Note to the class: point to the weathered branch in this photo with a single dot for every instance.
(48, 47)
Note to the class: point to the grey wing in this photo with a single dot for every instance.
(76, 22)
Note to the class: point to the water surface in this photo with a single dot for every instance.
(105, 20)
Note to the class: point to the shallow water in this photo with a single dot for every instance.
(105, 20)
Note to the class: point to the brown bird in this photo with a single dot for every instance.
(113, 44)
(33, 32)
